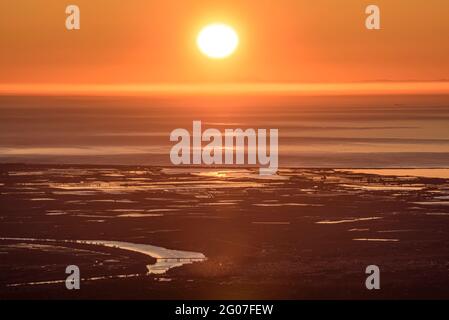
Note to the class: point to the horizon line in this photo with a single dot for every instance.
(246, 88)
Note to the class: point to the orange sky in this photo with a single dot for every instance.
(284, 41)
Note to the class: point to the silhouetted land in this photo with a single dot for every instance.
(306, 233)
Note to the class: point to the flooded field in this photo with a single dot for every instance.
(160, 232)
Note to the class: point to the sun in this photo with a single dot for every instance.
(217, 40)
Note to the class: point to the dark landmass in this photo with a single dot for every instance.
(304, 234)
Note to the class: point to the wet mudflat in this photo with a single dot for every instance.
(305, 233)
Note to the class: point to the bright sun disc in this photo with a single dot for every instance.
(217, 41)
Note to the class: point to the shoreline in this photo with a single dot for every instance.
(166, 259)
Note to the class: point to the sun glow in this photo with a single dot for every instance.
(217, 41)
